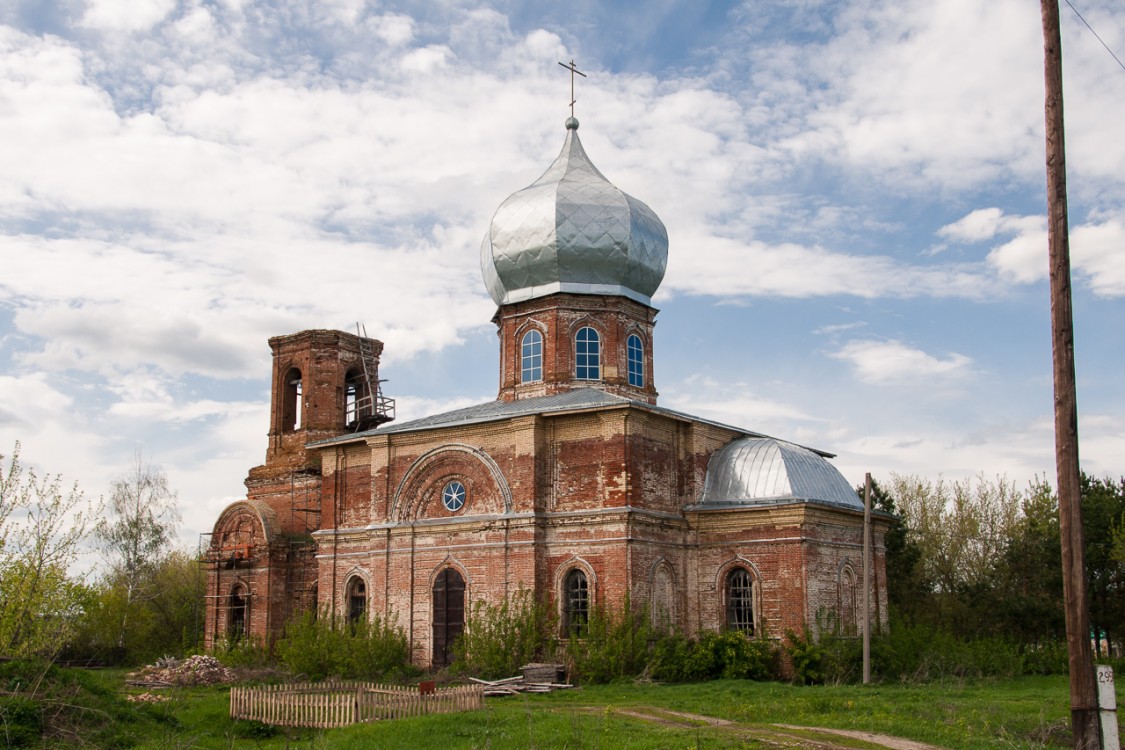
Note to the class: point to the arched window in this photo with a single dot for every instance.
(587, 355)
(848, 608)
(357, 399)
(238, 613)
(576, 603)
(635, 349)
(663, 605)
(291, 400)
(357, 600)
(739, 591)
(531, 357)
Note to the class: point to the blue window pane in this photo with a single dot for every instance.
(453, 496)
(531, 357)
(587, 355)
(636, 352)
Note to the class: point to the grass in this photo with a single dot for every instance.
(1024, 713)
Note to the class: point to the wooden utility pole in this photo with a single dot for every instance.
(1083, 689)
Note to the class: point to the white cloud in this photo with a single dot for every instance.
(1098, 252)
(1097, 248)
(126, 15)
(739, 404)
(722, 266)
(982, 224)
(893, 362)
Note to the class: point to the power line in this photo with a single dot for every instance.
(1091, 28)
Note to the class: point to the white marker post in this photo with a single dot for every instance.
(1107, 708)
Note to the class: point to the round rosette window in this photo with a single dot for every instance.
(453, 496)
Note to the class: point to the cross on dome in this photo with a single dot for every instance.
(571, 67)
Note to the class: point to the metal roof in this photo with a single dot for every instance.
(767, 471)
(577, 399)
(573, 231)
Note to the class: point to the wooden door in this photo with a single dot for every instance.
(449, 614)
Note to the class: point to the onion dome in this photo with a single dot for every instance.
(573, 231)
(755, 471)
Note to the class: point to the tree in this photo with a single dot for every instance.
(908, 591)
(137, 536)
(41, 528)
(960, 530)
(1028, 600)
(1103, 505)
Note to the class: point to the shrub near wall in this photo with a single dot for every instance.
(729, 655)
(611, 645)
(370, 649)
(500, 638)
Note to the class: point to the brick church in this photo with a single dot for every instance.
(573, 484)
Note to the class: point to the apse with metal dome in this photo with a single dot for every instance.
(573, 262)
(760, 471)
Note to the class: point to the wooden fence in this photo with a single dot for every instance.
(337, 704)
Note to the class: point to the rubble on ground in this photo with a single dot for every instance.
(536, 678)
(194, 670)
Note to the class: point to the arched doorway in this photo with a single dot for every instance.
(237, 611)
(449, 614)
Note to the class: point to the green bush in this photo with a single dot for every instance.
(371, 649)
(739, 657)
(613, 645)
(807, 656)
(500, 638)
(729, 655)
(1046, 658)
(920, 653)
(21, 724)
(243, 652)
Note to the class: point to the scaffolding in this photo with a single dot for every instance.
(368, 408)
(300, 556)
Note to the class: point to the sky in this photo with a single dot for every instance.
(854, 194)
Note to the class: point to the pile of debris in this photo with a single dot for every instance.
(536, 678)
(171, 672)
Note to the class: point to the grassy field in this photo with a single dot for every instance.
(1024, 713)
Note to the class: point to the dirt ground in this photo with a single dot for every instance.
(780, 735)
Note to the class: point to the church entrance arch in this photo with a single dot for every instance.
(448, 614)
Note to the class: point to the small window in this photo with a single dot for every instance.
(740, 601)
(531, 357)
(636, 353)
(587, 355)
(576, 603)
(291, 400)
(357, 600)
(453, 496)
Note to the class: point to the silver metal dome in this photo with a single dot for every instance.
(573, 231)
(765, 471)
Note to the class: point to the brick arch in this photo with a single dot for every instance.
(587, 321)
(245, 527)
(527, 325)
(420, 487)
(451, 562)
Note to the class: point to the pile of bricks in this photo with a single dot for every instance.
(194, 670)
